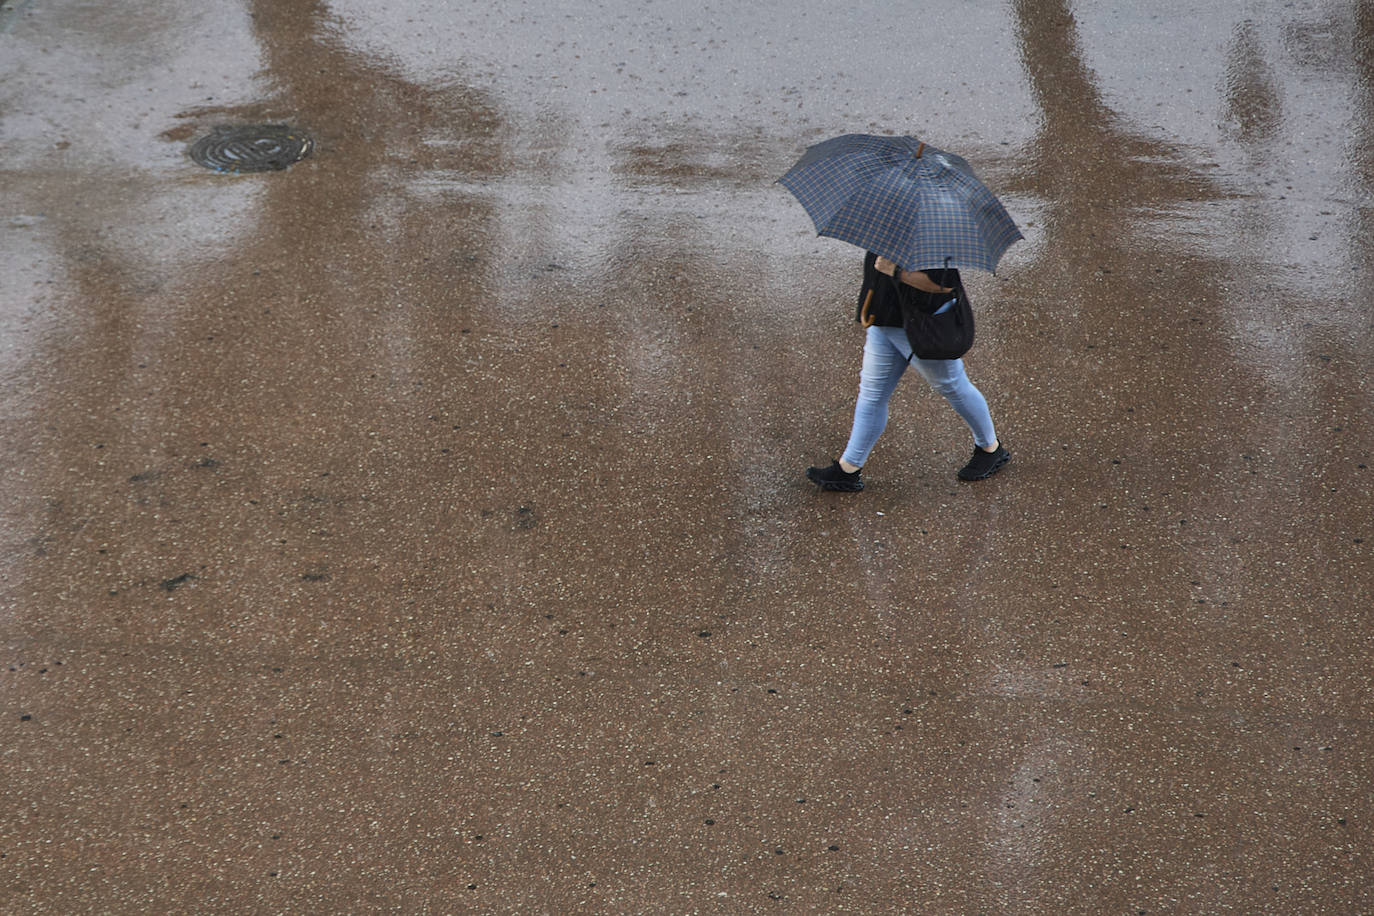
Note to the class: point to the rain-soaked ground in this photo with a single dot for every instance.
(422, 528)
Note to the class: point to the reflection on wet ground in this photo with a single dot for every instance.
(423, 527)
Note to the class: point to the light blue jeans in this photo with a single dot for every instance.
(885, 359)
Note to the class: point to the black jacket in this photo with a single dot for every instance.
(889, 295)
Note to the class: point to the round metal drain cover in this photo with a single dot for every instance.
(252, 148)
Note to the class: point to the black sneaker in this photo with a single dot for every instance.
(984, 464)
(836, 478)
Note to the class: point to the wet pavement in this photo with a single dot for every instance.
(423, 529)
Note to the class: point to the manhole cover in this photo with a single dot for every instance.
(252, 148)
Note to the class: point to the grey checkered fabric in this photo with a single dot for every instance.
(922, 213)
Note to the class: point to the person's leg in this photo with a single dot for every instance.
(883, 366)
(947, 376)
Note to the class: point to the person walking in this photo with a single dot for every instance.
(887, 353)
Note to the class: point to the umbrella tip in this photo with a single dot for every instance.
(920, 149)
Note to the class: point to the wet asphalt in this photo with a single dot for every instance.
(423, 528)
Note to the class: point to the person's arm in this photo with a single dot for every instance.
(916, 278)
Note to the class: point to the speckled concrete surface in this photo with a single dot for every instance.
(422, 529)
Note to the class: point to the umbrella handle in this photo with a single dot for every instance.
(866, 319)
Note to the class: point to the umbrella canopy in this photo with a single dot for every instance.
(911, 203)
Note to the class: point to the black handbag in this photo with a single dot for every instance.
(946, 333)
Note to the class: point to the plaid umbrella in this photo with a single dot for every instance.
(909, 202)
